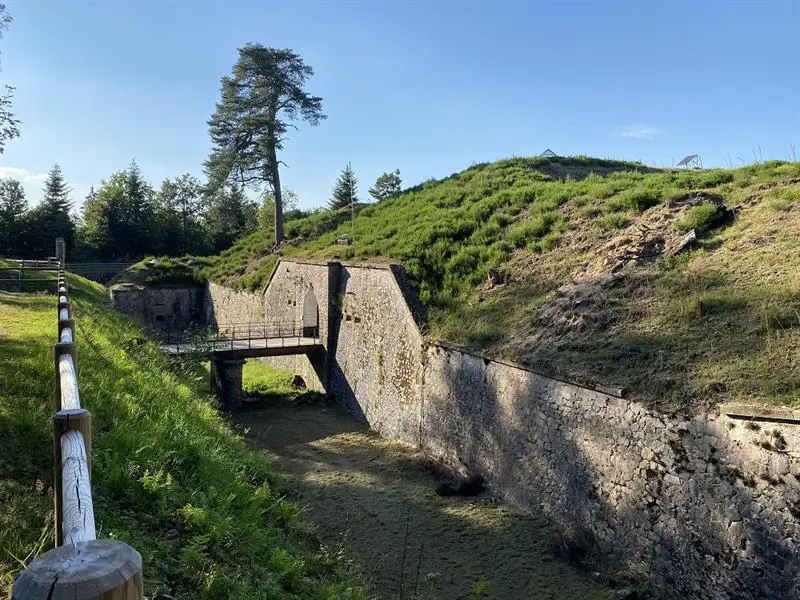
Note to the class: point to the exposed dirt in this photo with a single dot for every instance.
(375, 500)
(586, 304)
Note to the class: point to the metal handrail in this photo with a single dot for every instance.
(228, 334)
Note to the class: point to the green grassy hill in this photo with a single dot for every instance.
(169, 476)
(584, 282)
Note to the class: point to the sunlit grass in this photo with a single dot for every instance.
(542, 221)
(169, 477)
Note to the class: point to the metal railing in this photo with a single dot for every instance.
(106, 568)
(233, 336)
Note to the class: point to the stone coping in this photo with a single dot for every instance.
(778, 414)
(607, 390)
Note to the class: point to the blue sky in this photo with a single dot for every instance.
(426, 87)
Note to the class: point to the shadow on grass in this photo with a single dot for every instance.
(375, 500)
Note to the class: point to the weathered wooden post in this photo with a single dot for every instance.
(67, 467)
(94, 570)
(64, 351)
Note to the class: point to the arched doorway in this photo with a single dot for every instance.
(310, 315)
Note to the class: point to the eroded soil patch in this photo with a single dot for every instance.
(375, 500)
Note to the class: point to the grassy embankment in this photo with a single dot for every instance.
(169, 476)
(720, 322)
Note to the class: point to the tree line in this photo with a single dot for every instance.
(124, 218)
(127, 218)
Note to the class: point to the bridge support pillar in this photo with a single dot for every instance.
(226, 382)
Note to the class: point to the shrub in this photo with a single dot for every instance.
(612, 221)
(534, 228)
(633, 200)
(700, 218)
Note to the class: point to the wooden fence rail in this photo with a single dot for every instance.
(81, 567)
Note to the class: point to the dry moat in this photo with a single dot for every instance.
(375, 500)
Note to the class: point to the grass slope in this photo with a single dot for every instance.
(718, 323)
(169, 476)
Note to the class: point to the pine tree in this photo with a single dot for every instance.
(386, 186)
(56, 191)
(50, 219)
(345, 192)
(261, 100)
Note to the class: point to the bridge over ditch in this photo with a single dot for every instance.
(232, 344)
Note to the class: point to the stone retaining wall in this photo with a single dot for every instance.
(224, 305)
(160, 307)
(708, 507)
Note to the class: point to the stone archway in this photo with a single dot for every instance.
(310, 315)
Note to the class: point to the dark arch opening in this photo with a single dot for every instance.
(310, 315)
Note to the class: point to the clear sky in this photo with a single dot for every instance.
(428, 87)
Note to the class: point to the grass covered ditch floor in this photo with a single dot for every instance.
(374, 501)
(169, 476)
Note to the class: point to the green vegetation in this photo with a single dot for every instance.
(447, 233)
(169, 476)
(345, 192)
(124, 218)
(263, 98)
(657, 328)
(701, 218)
(264, 380)
(166, 270)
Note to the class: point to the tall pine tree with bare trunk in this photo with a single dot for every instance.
(262, 99)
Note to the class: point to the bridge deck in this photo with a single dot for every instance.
(251, 348)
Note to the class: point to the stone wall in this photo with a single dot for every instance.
(291, 285)
(224, 305)
(160, 307)
(378, 368)
(708, 506)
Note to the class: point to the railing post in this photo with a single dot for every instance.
(68, 324)
(73, 419)
(95, 570)
(61, 349)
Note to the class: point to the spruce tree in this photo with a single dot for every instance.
(50, 219)
(345, 191)
(56, 191)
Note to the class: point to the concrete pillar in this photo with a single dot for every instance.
(226, 382)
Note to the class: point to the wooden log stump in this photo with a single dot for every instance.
(96, 570)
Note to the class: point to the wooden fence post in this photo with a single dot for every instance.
(60, 350)
(94, 570)
(73, 419)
